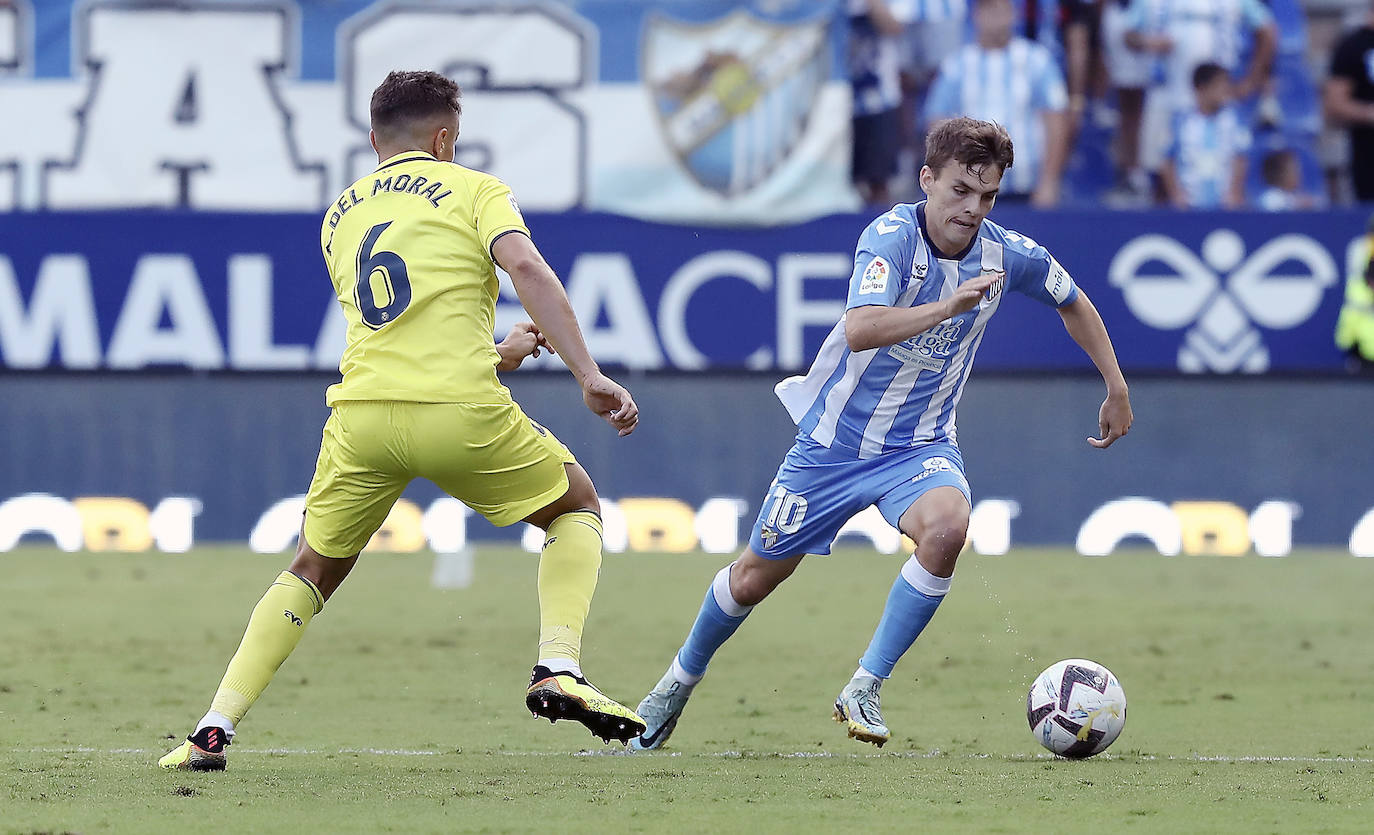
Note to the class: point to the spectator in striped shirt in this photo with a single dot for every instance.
(1016, 83)
(1204, 167)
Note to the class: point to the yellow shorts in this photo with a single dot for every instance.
(491, 457)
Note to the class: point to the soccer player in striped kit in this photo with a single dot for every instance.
(875, 415)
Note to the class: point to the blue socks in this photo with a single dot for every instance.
(718, 619)
(915, 595)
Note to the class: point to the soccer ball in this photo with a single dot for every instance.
(1076, 708)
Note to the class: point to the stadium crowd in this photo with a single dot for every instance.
(1202, 104)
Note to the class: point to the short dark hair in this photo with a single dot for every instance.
(972, 143)
(1271, 168)
(405, 97)
(1206, 73)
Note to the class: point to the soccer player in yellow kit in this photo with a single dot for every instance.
(412, 249)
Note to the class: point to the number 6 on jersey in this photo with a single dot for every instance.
(394, 278)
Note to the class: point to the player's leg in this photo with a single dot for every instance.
(510, 469)
(348, 500)
(734, 592)
(803, 511)
(935, 517)
(569, 565)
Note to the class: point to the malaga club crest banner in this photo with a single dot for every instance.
(706, 111)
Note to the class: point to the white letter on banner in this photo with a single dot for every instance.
(277, 529)
(1362, 537)
(184, 107)
(333, 338)
(250, 319)
(1271, 527)
(513, 64)
(61, 312)
(605, 280)
(672, 307)
(173, 523)
(165, 282)
(989, 525)
(40, 513)
(717, 524)
(1116, 520)
(445, 524)
(795, 313)
(870, 524)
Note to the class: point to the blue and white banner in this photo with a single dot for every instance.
(1212, 293)
(713, 111)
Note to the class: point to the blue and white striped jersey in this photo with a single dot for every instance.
(1204, 151)
(874, 64)
(1200, 30)
(1014, 87)
(919, 11)
(868, 402)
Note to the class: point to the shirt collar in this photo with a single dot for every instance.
(405, 156)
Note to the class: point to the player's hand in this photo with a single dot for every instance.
(609, 399)
(524, 340)
(1113, 420)
(967, 295)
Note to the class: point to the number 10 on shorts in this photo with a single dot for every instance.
(785, 510)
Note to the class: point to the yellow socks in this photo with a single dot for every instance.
(276, 626)
(568, 570)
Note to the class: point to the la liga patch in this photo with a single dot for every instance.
(874, 279)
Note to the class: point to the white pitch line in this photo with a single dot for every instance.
(739, 755)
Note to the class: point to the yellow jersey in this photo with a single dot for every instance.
(408, 248)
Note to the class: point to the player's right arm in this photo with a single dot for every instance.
(878, 326)
(544, 298)
(882, 265)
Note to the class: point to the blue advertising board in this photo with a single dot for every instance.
(1180, 292)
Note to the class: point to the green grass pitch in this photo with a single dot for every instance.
(1250, 683)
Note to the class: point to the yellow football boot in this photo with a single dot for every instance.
(202, 751)
(557, 696)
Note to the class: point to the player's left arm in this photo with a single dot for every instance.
(1084, 324)
(1035, 273)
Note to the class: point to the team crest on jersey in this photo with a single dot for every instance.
(874, 279)
(769, 537)
(734, 95)
(919, 271)
(997, 284)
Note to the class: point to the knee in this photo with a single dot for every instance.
(749, 585)
(944, 534)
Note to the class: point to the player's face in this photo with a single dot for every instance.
(958, 198)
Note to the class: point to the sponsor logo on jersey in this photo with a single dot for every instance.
(874, 279)
(1058, 283)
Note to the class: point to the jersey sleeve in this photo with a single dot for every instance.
(882, 262)
(1041, 277)
(495, 212)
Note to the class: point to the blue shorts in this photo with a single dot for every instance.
(816, 491)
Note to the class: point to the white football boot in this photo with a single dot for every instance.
(859, 709)
(660, 711)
